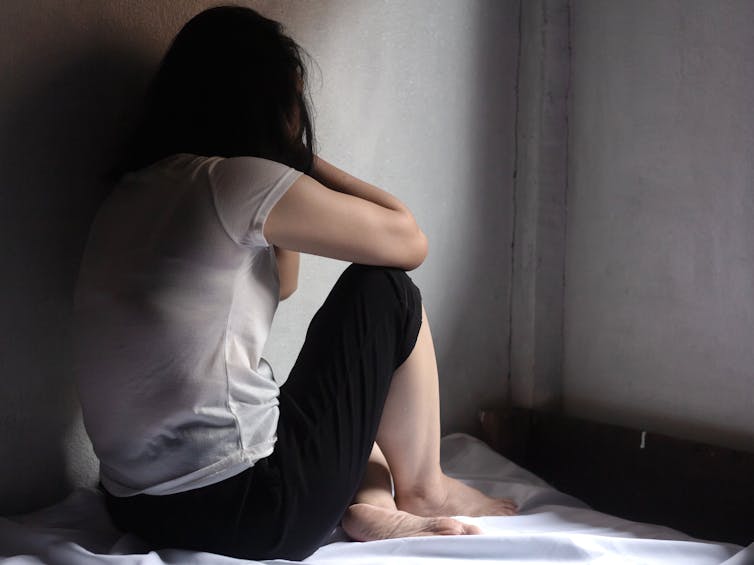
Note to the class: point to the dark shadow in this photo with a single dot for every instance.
(697, 488)
(61, 132)
(690, 429)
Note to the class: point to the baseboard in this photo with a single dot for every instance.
(702, 490)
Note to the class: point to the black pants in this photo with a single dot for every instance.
(330, 408)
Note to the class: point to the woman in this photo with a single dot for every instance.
(183, 270)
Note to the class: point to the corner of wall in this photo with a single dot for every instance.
(540, 204)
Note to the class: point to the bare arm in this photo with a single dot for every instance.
(337, 179)
(288, 264)
(335, 214)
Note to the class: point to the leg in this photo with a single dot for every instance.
(410, 433)
(413, 403)
(414, 456)
(331, 405)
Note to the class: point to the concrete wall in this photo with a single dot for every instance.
(416, 96)
(419, 97)
(659, 295)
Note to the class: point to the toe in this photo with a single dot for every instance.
(447, 526)
(508, 507)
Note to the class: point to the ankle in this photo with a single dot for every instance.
(429, 493)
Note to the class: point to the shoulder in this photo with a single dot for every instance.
(244, 190)
(246, 171)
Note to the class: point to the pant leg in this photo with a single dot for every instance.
(331, 404)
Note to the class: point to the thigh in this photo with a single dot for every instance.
(331, 404)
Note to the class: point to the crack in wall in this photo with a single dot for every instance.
(514, 206)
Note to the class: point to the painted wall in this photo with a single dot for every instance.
(659, 294)
(415, 96)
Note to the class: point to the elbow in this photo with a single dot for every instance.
(417, 251)
(400, 244)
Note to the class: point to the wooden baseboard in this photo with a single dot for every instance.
(702, 490)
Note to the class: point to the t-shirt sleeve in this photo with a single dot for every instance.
(244, 190)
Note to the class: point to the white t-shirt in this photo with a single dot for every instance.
(174, 303)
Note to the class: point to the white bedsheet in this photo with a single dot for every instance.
(550, 528)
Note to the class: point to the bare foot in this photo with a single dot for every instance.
(364, 522)
(453, 498)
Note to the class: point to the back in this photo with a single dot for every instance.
(174, 302)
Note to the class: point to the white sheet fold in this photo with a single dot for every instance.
(551, 527)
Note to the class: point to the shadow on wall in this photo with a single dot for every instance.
(62, 126)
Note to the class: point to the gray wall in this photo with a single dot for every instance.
(418, 97)
(659, 294)
(415, 96)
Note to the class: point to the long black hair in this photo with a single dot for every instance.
(231, 84)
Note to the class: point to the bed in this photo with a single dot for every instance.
(551, 527)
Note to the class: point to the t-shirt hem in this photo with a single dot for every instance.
(215, 473)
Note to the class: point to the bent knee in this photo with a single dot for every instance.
(387, 282)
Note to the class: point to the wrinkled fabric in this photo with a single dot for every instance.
(551, 528)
